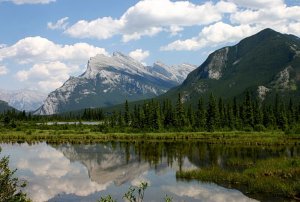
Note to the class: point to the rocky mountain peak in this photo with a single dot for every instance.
(110, 80)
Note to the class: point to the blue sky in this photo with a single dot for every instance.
(43, 42)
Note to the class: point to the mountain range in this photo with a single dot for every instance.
(265, 64)
(110, 80)
(24, 99)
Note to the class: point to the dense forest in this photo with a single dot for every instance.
(215, 115)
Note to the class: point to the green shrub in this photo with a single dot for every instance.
(259, 128)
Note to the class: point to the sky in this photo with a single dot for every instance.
(44, 42)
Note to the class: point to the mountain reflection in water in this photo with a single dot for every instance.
(85, 172)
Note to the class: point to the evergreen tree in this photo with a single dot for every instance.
(168, 114)
(126, 114)
(156, 121)
(248, 119)
(258, 115)
(230, 118)
(212, 115)
(180, 113)
(200, 115)
(281, 117)
(236, 114)
(221, 113)
(291, 116)
(190, 116)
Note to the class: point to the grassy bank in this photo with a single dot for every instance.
(87, 136)
(277, 177)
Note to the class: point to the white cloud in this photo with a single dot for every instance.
(20, 2)
(212, 35)
(3, 70)
(139, 54)
(47, 65)
(174, 30)
(60, 24)
(269, 17)
(102, 28)
(149, 17)
(47, 75)
(258, 4)
(245, 18)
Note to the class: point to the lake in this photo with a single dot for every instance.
(69, 172)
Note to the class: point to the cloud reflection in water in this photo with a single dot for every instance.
(49, 173)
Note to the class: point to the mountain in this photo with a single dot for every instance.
(23, 99)
(110, 80)
(265, 64)
(4, 106)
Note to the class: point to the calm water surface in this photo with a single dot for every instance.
(85, 172)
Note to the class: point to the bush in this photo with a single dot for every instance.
(259, 128)
(10, 186)
(248, 129)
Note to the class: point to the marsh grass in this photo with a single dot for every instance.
(276, 177)
(85, 135)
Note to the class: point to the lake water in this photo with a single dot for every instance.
(85, 172)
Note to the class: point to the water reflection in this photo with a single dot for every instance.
(49, 172)
(207, 192)
(84, 172)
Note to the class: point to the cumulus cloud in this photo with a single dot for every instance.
(149, 17)
(102, 28)
(59, 24)
(20, 2)
(46, 65)
(47, 75)
(139, 54)
(212, 35)
(3, 70)
(258, 4)
(246, 19)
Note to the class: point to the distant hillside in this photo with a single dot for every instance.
(265, 64)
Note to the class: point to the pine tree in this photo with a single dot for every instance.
(180, 113)
(212, 116)
(291, 113)
(248, 119)
(126, 114)
(191, 116)
(221, 113)
(236, 114)
(200, 115)
(168, 114)
(281, 117)
(230, 117)
(257, 112)
(156, 120)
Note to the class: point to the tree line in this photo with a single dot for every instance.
(213, 115)
(216, 114)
